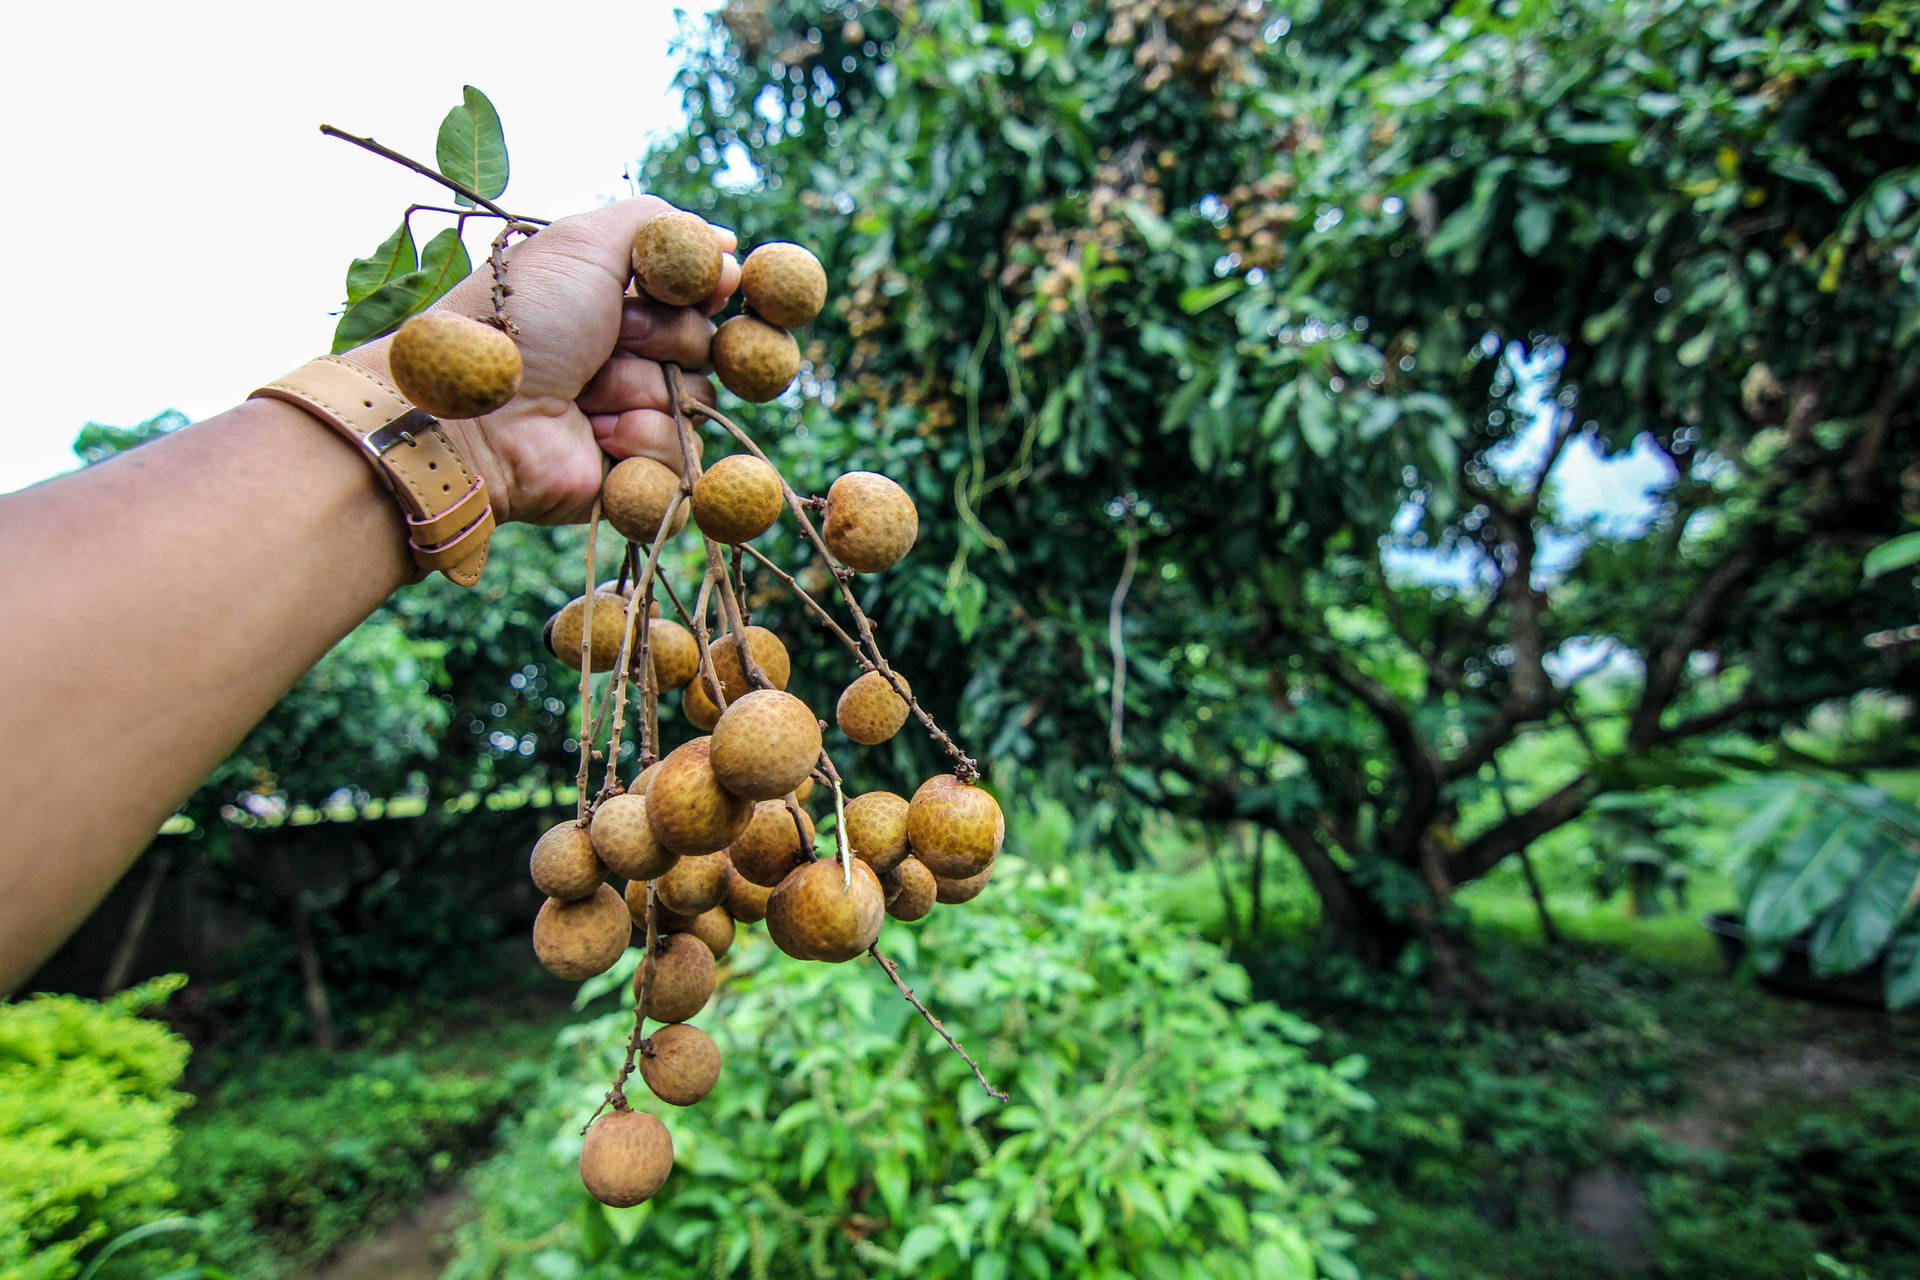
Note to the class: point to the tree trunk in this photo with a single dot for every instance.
(313, 986)
(129, 949)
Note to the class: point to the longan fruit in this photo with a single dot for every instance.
(453, 366)
(911, 890)
(877, 828)
(954, 827)
(676, 258)
(737, 499)
(753, 359)
(696, 883)
(680, 1064)
(564, 863)
(688, 809)
(871, 522)
(769, 654)
(675, 653)
(564, 629)
(625, 1158)
(746, 901)
(624, 840)
(870, 710)
(817, 914)
(698, 705)
(784, 284)
(635, 496)
(575, 940)
(964, 890)
(714, 926)
(772, 845)
(765, 744)
(683, 978)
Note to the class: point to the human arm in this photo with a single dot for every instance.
(159, 604)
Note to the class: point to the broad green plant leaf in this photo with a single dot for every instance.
(1903, 968)
(444, 263)
(472, 148)
(1896, 553)
(1810, 873)
(1858, 928)
(381, 311)
(394, 258)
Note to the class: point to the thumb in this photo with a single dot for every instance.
(603, 237)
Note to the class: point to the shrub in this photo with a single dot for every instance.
(1160, 1125)
(87, 1102)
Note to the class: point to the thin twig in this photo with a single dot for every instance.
(638, 603)
(587, 732)
(459, 188)
(637, 1041)
(1116, 634)
(893, 972)
(819, 610)
(868, 649)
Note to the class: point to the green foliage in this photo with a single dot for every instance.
(1840, 863)
(1160, 1125)
(286, 1157)
(1291, 324)
(396, 280)
(87, 1102)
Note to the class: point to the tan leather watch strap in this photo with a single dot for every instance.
(449, 520)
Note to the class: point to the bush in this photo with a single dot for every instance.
(1160, 1125)
(87, 1102)
(287, 1161)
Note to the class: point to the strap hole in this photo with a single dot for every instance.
(446, 488)
(433, 466)
(367, 403)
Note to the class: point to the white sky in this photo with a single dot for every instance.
(179, 230)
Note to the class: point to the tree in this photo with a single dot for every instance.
(1204, 311)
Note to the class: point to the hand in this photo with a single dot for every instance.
(591, 354)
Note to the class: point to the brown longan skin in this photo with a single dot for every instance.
(635, 496)
(954, 827)
(683, 976)
(871, 522)
(877, 828)
(816, 915)
(453, 366)
(737, 499)
(870, 710)
(953, 892)
(769, 654)
(625, 1158)
(564, 864)
(714, 926)
(681, 1064)
(911, 890)
(564, 630)
(624, 840)
(578, 939)
(675, 654)
(696, 883)
(676, 258)
(753, 359)
(746, 901)
(772, 845)
(690, 812)
(699, 707)
(784, 284)
(765, 744)
(665, 921)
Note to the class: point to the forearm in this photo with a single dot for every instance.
(194, 580)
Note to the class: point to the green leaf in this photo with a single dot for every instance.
(1896, 553)
(921, 1243)
(1857, 928)
(380, 312)
(1808, 875)
(1696, 349)
(444, 263)
(393, 259)
(472, 149)
(1197, 299)
(1903, 968)
(1533, 227)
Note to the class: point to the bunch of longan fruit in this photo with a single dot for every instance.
(715, 832)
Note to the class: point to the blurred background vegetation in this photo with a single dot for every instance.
(1366, 787)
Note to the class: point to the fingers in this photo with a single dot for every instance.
(729, 281)
(639, 433)
(603, 236)
(657, 332)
